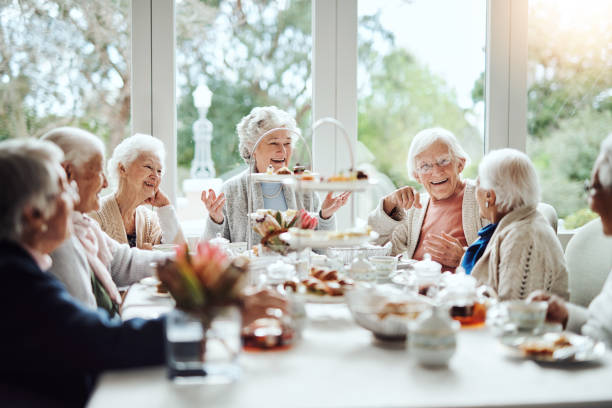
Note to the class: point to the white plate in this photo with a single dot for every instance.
(270, 178)
(583, 349)
(357, 185)
(320, 239)
(325, 299)
(150, 281)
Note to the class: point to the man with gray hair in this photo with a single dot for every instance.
(90, 263)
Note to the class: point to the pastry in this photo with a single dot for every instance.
(283, 170)
(297, 169)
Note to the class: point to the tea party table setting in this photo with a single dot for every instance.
(338, 360)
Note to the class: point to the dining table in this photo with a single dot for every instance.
(338, 364)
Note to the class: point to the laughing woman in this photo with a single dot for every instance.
(228, 211)
(444, 219)
(137, 167)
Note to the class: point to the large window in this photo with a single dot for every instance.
(248, 53)
(65, 63)
(421, 64)
(569, 97)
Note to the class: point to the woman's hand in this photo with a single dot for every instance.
(158, 200)
(557, 311)
(214, 205)
(332, 204)
(256, 304)
(444, 249)
(403, 198)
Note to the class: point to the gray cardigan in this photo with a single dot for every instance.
(235, 211)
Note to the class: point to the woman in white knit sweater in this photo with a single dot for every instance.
(521, 250)
(441, 222)
(596, 321)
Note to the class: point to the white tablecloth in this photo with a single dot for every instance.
(338, 364)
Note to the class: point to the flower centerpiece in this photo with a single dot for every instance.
(270, 224)
(205, 281)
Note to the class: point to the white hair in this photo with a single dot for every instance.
(130, 148)
(28, 178)
(427, 137)
(604, 161)
(512, 176)
(258, 122)
(79, 145)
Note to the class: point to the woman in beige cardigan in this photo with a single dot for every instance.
(523, 253)
(136, 166)
(442, 221)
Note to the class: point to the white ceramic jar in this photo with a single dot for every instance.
(433, 337)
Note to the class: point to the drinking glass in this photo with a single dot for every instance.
(200, 354)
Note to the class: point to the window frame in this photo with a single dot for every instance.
(334, 59)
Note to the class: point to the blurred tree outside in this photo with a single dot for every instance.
(401, 97)
(569, 98)
(253, 53)
(65, 63)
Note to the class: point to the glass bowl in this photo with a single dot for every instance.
(385, 310)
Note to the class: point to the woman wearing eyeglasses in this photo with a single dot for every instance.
(442, 221)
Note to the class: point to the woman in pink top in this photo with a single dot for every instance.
(443, 220)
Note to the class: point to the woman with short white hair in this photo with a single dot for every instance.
(90, 263)
(136, 168)
(442, 221)
(518, 252)
(229, 218)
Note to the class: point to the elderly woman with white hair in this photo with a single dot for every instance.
(90, 263)
(52, 347)
(228, 211)
(518, 252)
(442, 221)
(136, 167)
(596, 321)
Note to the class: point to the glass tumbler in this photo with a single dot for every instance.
(203, 353)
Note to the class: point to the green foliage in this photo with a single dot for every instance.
(405, 98)
(565, 158)
(579, 218)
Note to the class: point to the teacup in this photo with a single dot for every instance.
(526, 315)
(384, 265)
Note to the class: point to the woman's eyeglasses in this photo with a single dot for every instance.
(426, 168)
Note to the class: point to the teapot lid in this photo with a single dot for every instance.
(459, 281)
(280, 271)
(220, 241)
(427, 266)
(436, 320)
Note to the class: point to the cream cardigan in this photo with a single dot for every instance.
(404, 232)
(160, 227)
(524, 254)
